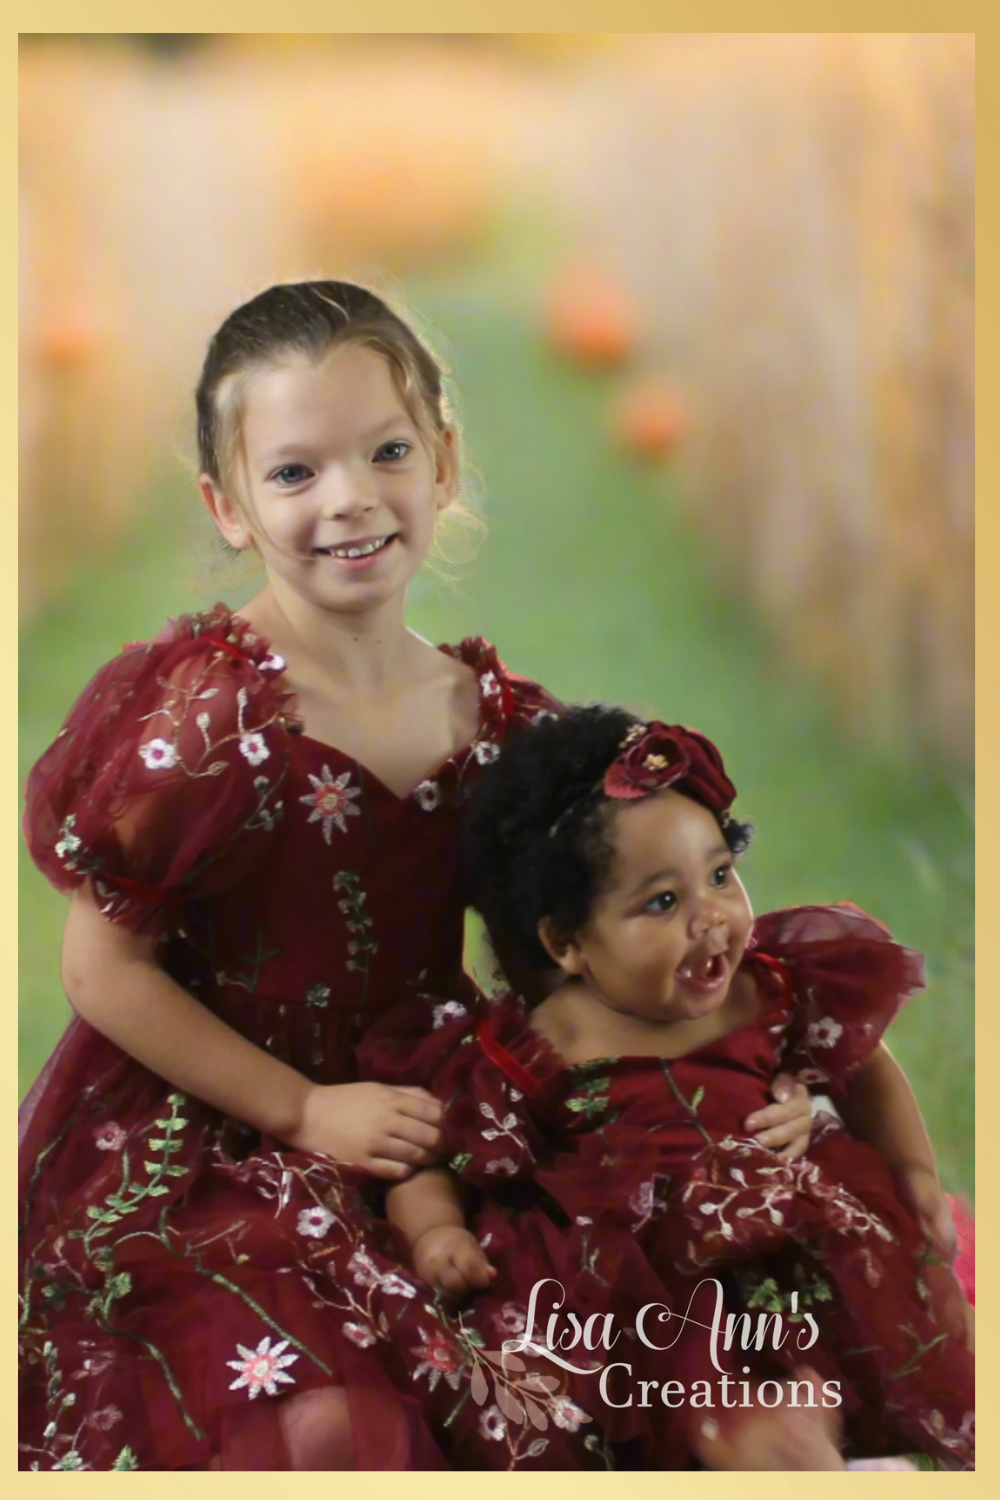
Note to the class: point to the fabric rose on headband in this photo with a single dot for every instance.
(656, 756)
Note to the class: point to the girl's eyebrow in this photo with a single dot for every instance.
(718, 852)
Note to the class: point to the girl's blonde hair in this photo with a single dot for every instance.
(311, 318)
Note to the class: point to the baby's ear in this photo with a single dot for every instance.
(561, 947)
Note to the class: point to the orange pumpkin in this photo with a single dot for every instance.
(649, 418)
(591, 318)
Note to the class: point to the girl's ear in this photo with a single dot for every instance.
(563, 949)
(225, 514)
(446, 469)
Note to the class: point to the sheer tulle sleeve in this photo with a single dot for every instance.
(489, 1133)
(165, 783)
(846, 978)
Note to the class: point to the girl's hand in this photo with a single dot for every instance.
(387, 1131)
(919, 1189)
(785, 1436)
(452, 1260)
(785, 1127)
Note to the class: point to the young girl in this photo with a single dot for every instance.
(257, 819)
(603, 855)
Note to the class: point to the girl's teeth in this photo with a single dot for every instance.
(358, 551)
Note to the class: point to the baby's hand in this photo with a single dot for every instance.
(787, 1124)
(921, 1192)
(452, 1260)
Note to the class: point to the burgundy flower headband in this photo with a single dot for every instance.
(655, 756)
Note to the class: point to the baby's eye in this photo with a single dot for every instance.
(290, 474)
(664, 902)
(721, 875)
(392, 452)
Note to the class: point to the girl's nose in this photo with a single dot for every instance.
(348, 495)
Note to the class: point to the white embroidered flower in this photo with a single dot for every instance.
(451, 1010)
(492, 1424)
(503, 1168)
(428, 794)
(641, 1201)
(109, 1137)
(490, 686)
(824, 1033)
(485, 751)
(543, 713)
(95, 1365)
(159, 755)
(396, 1286)
(69, 843)
(583, 1219)
(511, 1319)
(314, 1222)
(263, 1368)
(104, 1419)
(273, 663)
(567, 1415)
(331, 801)
(437, 1357)
(254, 748)
(360, 1334)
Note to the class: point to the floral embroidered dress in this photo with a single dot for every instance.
(176, 1268)
(629, 1181)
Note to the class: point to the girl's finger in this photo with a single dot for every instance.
(417, 1132)
(799, 1147)
(381, 1166)
(395, 1148)
(419, 1104)
(776, 1114)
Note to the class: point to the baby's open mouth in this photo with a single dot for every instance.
(704, 969)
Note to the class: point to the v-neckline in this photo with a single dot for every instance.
(366, 774)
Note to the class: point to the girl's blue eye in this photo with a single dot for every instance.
(290, 474)
(658, 905)
(392, 452)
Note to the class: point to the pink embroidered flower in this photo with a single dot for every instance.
(95, 1365)
(104, 1419)
(567, 1415)
(504, 1167)
(824, 1033)
(262, 1369)
(158, 755)
(510, 1319)
(254, 748)
(489, 685)
(360, 1334)
(492, 1424)
(451, 1010)
(437, 1357)
(314, 1222)
(485, 751)
(331, 800)
(109, 1137)
(428, 794)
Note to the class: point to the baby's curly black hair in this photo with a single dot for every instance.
(536, 829)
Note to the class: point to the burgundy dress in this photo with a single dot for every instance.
(630, 1181)
(178, 1274)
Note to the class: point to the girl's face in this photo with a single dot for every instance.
(343, 491)
(665, 939)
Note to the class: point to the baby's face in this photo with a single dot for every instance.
(666, 938)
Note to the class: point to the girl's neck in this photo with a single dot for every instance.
(367, 653)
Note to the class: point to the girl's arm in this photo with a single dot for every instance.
(114, 981)
(428, 1211)
(879, 1106)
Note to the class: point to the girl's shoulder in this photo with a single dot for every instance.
(507, 697)
(838, 977)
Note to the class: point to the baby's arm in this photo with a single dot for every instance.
(114, 980)
(879, 1106)
(429, 1213)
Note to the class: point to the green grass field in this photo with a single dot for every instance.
(590, 583)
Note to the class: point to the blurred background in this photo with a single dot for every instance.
(707, 299)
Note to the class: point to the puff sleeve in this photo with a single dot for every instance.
(165, 783)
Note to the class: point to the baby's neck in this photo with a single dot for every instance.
(581, 1026)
